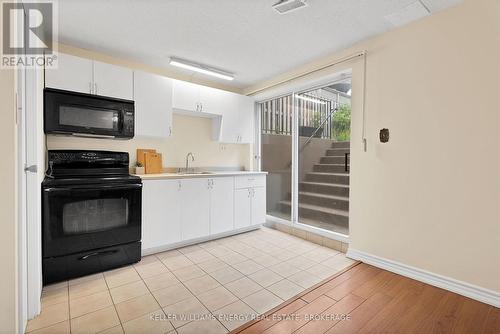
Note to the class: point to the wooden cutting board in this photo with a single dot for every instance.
(141, 155)
(153, 163)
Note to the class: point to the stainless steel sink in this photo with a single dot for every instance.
(195, 173)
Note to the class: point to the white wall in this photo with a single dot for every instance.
(190, 134)
(429, 198)
(8, 204)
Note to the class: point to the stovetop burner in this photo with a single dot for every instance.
(68, 167)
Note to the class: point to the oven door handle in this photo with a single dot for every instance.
(109, 252)
(93, 187)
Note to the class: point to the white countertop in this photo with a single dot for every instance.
(161, 176)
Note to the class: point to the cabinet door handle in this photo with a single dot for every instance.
(90, 87)
(169, 130)
(95, 88)
(201, 106)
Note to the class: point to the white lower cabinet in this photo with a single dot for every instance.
(242, 208)
(181, 210)
(249, 201)
(221, 204)
(195, 208)
(161, 213)
(258, 206)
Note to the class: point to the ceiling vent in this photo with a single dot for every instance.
(286, 6)
(410, 13)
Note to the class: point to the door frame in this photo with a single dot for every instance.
(22, 257)
(30, 152)
(293, 90)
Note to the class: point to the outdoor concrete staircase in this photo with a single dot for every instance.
(324, 192)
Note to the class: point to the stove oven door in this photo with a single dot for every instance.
(90, 217)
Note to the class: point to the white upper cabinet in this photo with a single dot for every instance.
(153, 105)
(216, 101)
(246, 117)
(73, 73)
(113, 81)
(237, 123)
(191, 97)
(92, 77)
(186, 96)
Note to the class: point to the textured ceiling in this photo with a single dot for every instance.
(246, 37)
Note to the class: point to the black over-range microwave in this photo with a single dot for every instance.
(87, 115)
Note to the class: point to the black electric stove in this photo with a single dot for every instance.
(91, 219)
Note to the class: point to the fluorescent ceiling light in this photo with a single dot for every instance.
(310, 99)
(201, 68)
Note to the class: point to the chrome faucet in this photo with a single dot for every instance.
(187, 160)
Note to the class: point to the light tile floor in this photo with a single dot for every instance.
(212, 287)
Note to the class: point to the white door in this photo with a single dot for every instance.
(246, 113)
(195, 208)
(242, 208)
(185, 96)
(153, 105)
(35, 155)
(29, 91)
(113, 81)
(258, 206)
(221, 205)
(161, 213)
(72, 73)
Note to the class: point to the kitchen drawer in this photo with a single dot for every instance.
(61, 268)
(249, 181)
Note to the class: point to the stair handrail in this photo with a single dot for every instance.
(332, 111)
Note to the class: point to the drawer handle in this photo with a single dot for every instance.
(251, 179)
(85, 257)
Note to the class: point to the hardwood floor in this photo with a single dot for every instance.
(365, 299)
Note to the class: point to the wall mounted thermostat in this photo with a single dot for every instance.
(384, 135)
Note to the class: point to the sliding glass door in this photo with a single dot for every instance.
(308, 180)
(323, 147)
(276, 117)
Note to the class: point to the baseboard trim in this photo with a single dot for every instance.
(462, 288)
(316, 230)
(164, 248)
